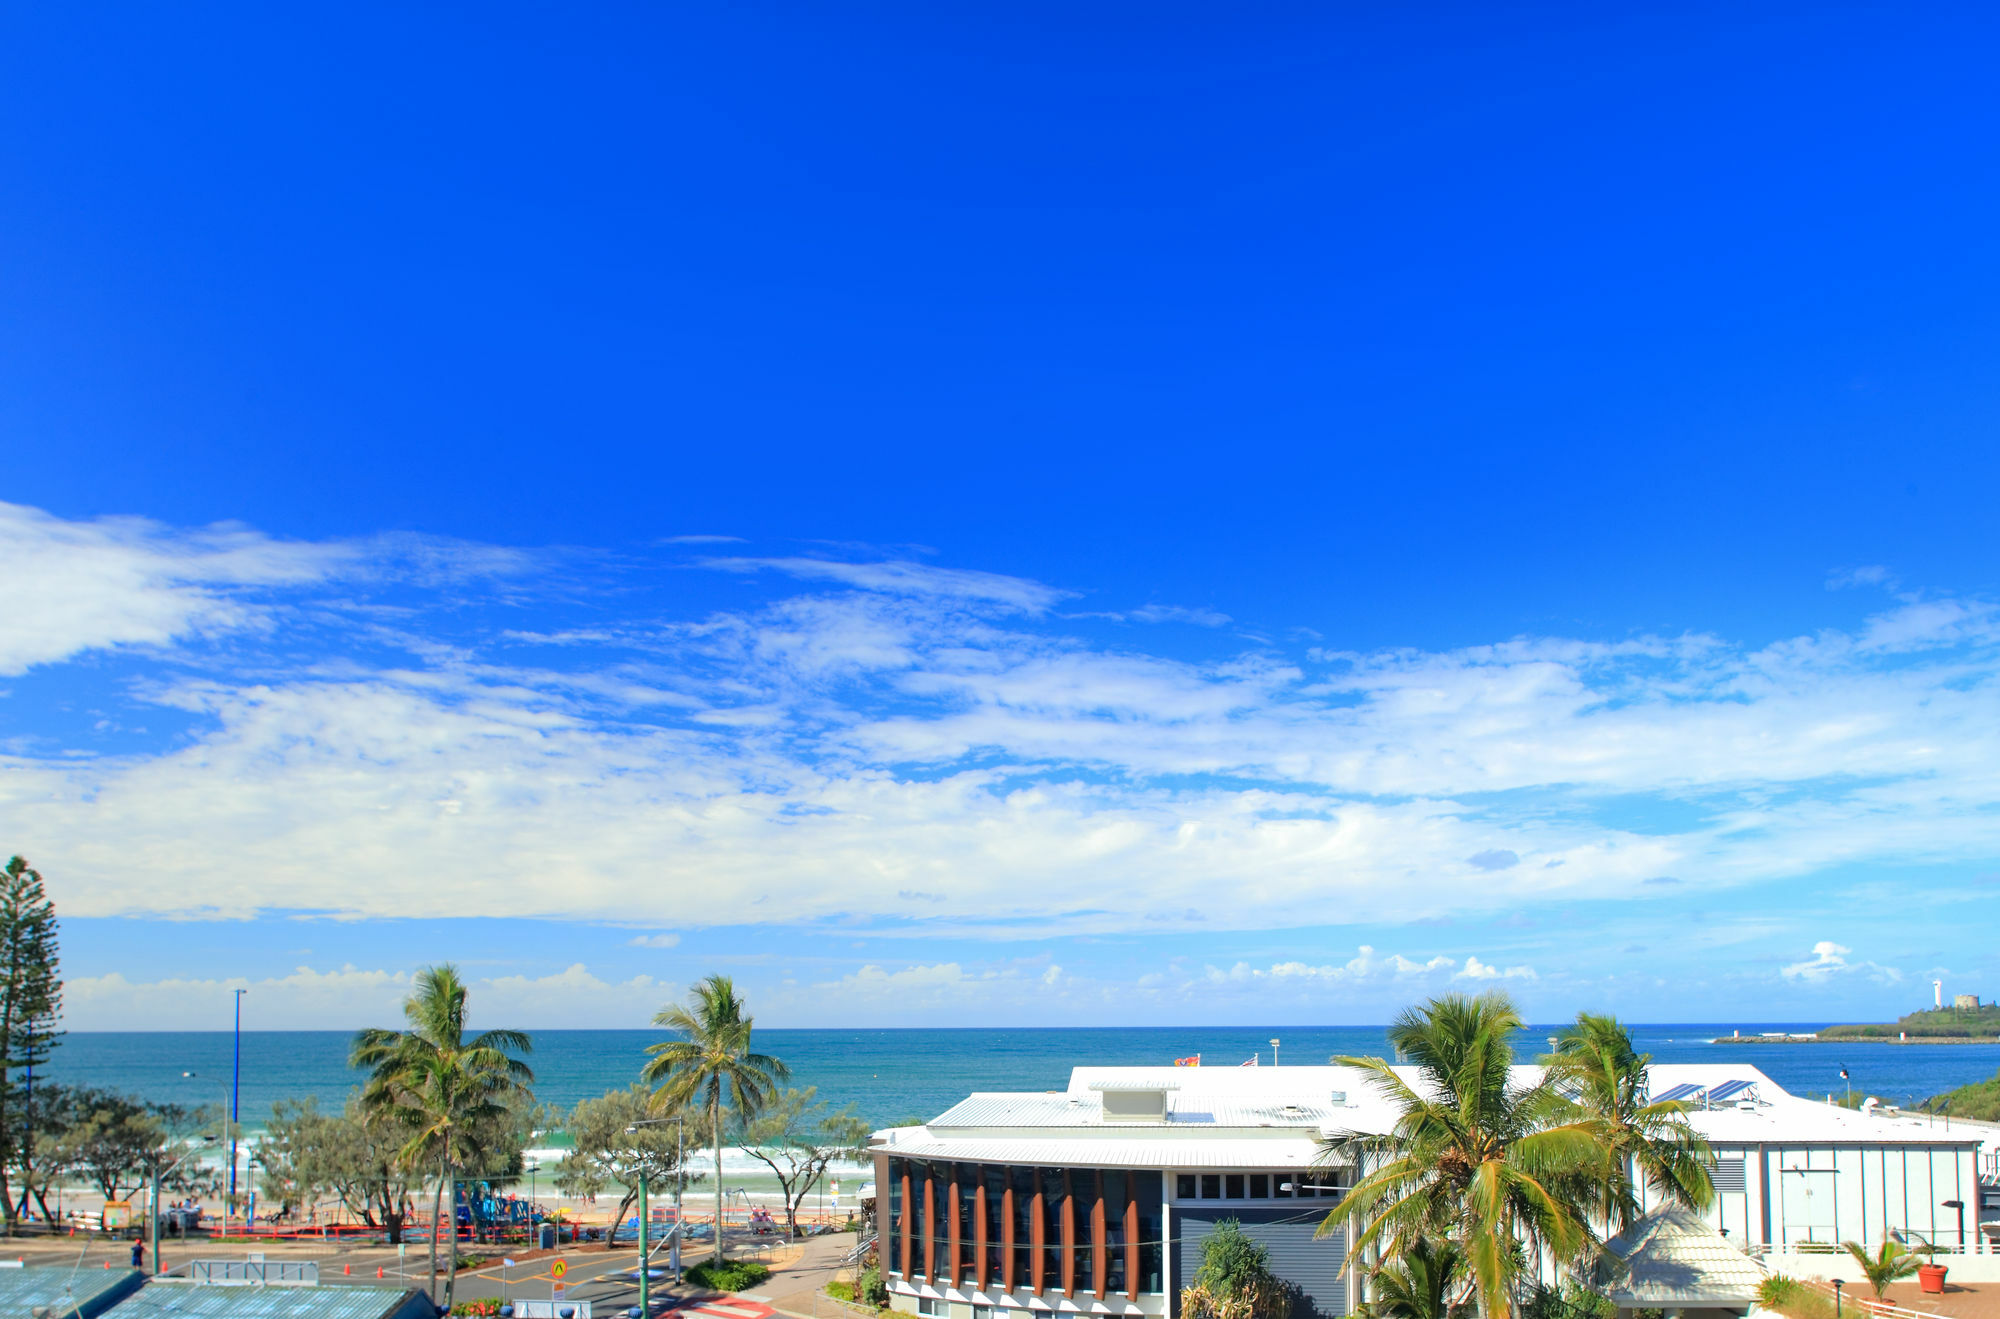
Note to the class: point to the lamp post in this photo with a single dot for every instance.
(1274, 1053)
(229, 1132)
(645, 1272)
(154, 1206)
(1960, 1206)
(235, 1084)
(1850, 1085)
(1837, 1285)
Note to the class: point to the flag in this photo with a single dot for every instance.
(1251, 1063)
(1188, 1062)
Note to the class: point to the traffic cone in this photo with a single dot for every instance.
(347, 1269)
(378, 1270)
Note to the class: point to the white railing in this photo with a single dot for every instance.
(254, 1272)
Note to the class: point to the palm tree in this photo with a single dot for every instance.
(710, 1062)
(1420, 1285)
(1471, 1158)
(448, 1092)
(1891, 1262)
(1595, 1065)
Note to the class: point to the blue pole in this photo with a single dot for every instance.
(235, 1080)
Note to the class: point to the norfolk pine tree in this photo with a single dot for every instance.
(30, 1005)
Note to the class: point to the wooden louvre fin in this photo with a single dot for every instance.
(1007, 1238)
(980, 1255)
(1131, 1244)
(930, 1229)
(909, 1223)
(951, 1233)
(1069, 1244)
(1098, 1254)
(1038, 1255)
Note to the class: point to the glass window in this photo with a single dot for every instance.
(996, 1186)
(1024, 1209)
(1283, 1185)
(1184, 1185)
(1083, 1199)
(929, 1305)
(1055, 1190)
(982, 1312)
(1260, 1186)
(1211, 1186)
(1113, 1188)
(1146, 1192)
(1232, 1186)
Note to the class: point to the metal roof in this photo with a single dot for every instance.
(67, 1290)
(160, 1300)
(1150, 1086)
(1141, 1149)
(1086, 1109)
(1674, 1258)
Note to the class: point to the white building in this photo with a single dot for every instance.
(1095, 1199)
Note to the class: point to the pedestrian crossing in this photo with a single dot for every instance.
(733, 1308)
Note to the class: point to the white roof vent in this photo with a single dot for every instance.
(1139, 1101)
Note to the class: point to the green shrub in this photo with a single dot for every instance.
(488, 1306)
(871, 1290)
(729, 1276)
(1792, 1298)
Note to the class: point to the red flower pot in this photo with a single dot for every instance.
(1930, 1277)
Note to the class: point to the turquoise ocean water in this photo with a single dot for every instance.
(891, 1074)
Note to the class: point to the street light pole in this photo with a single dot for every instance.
(154, 1206)
(680, 1233)
(235, 1083)
(228, 1131)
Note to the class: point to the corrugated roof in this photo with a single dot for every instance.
(163, 1300)
(65, 1289)
(1673, 1257)
(1087, 1110)
(1109, 1150)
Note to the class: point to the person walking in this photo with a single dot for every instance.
(139, 1255)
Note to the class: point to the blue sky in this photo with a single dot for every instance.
(1004, 514)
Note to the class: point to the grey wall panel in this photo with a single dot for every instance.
(1287, 1232)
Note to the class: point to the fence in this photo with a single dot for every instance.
(254, 1272)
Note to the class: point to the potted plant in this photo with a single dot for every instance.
(1930, 1274)
(1891, 1262)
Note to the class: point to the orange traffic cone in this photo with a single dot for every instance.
(348, 1269)
(378, 1271)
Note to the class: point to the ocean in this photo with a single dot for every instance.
(888, 1075)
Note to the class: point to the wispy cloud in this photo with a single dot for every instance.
(899, 733)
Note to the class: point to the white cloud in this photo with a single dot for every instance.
(69, 587)
(1179, 614)
(916, 733)
(654, 941)
(1829, 959)
(901, 577)
(351, 998)
(1475, 969)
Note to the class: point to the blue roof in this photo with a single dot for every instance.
(72, 1291)
(187, 1300)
